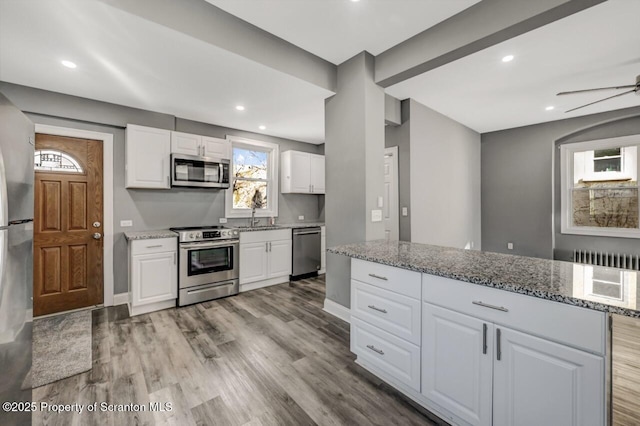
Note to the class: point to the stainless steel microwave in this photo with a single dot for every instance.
(199, 172)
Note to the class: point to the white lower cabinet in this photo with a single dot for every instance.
(457, 363)
(265, 258)
(153, 275)
(483, 356)
(538, 382)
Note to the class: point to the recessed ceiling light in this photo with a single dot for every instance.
(507, 58)
(355, 0)
(68, 64)
(239, 107)
(262, 127)
(550, 108)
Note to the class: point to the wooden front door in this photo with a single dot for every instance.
(68, 228)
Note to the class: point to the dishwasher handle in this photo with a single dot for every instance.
(306, 231)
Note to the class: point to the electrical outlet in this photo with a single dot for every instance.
(376, 215)
(510, 246)
(405, 211)
(126, 223)
(223, 220)
(300, 217)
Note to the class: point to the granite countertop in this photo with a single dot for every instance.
(149, 235)
(564, 282)
(279, 226)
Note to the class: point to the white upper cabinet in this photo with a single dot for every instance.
(302, 173)
(207, 146)
(147, 157)
(185, 143)
(216, 147)
(317, 173)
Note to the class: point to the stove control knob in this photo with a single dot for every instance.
(198, 234)
(235, 232)
(191, 235)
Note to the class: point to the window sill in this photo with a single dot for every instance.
(602, 232)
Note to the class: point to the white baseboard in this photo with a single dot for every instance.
(337, 310)
(265, 283)
(120, 299)
(28, 316)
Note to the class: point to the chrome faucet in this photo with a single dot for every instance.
(253, 221)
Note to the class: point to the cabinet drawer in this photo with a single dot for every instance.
(393, 279)
(396, 357)
(570, 325)
(157, 245)
(392, 312)
(262, 236)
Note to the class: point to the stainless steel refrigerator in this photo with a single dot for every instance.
(16, 258)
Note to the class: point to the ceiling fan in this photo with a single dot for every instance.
(635, 88)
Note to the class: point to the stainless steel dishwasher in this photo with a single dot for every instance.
(306, 252)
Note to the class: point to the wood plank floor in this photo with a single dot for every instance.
(626, 371)
(265, 357)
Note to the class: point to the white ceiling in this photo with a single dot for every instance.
(127, 60)
(337, 30)
(595, 48)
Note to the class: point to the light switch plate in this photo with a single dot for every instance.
(405, 211)
(223, 220)
(376, 215)
(126, 223)
(380, 202)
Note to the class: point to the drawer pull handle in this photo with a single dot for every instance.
(156, 246)
(484, 339)
(375, 308)
(486, 305)
(378, 277)
(373, 348)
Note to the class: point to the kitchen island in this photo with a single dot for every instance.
(486, 338)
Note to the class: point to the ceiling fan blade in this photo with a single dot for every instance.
(630, 86)
(601, 100)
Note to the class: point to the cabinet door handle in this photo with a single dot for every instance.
(266, 247)
(376, 350)
(269, 246)
(378, 277)
(375, 308)
(486, 305)
(498, 345)
(484, 339)
(174, 258)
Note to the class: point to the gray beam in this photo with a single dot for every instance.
(484, 24)
(207, 23)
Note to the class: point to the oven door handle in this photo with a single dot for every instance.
(209, 244)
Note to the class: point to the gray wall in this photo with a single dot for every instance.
(521, 185)
(354, 148)
(399, 136)
(151, 209)
(445, 180)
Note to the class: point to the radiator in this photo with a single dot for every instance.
(612, 260)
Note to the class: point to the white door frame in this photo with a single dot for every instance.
(107, 193)
(395, 197)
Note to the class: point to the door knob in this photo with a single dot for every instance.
(96, 224)
(97, 236)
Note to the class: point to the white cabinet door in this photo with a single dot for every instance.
(154, 278)
(279, 258)
(147, 157)
(317, 173)
(538, 382)
(457, 358)
(216, 148)
(253, 262)
(185, 143)
(299, 171)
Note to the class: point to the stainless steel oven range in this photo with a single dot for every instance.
(207, 263)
